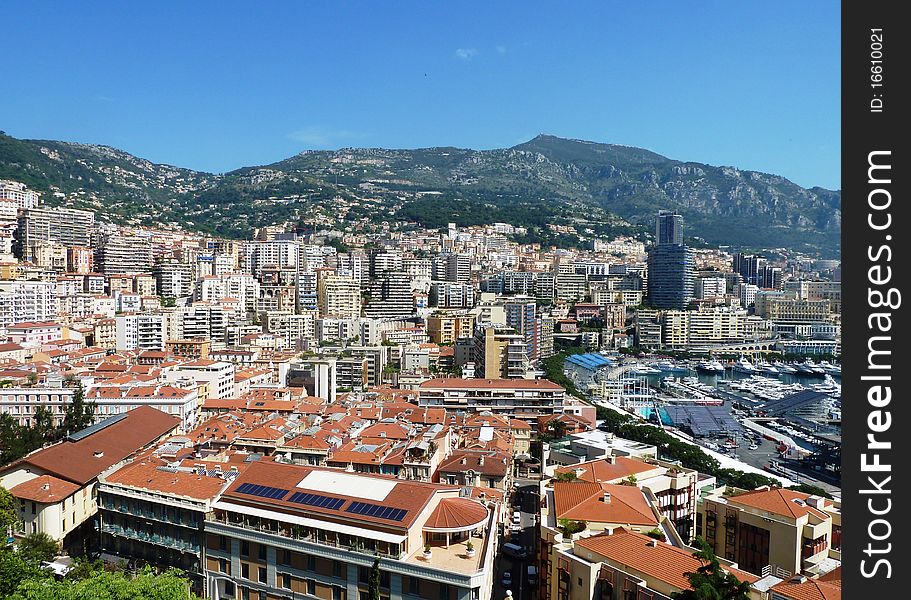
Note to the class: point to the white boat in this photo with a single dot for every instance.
(645, 370)
(744, 366)
(830, 368)
(808, 367)
(767, 369)
(710, 366)
(666, 365)
(783, 368)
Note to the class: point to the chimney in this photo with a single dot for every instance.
(817, 502)
(481, 461)
(46, 487)
(98, 454)
(652, 543)
(464, 461)
(611, 459)
(606, 498)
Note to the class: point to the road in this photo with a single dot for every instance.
(524, 500)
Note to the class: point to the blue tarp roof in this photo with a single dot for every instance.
(591, 360)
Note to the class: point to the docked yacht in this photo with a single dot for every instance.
(808, 367)
(644, 370)
(710, 366)
(783, 368)
(666, 365)
(744, 366)
(766, 368)
(829, 368)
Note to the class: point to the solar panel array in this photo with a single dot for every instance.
(263, 491)
(316, 500)
(704, 421)
(375, 510)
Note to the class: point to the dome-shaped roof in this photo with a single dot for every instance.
(457, 514)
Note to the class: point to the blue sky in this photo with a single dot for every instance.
(219, 85)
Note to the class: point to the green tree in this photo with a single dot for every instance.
(710, 581)
(566, 476)
(101, 584)
(37, 547)
(9, 513)
(14, 571)
(569, 527)
(79, 414)
(374, 583)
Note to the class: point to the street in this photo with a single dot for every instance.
(524, 499)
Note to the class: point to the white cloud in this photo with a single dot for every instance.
(466, 53)
(320, 136)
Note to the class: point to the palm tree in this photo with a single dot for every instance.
(710, 581)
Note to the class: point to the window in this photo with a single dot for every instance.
(336, 592)
(245, 548)
(222, 543)
(414, 586)
(222, 565)
(262, 575)
(262, 552)
(311, 587)
(34, 508)
(444, 591)
(336, 568)
(311, 563)
(286, 557)
(245, 570)
(286, 581)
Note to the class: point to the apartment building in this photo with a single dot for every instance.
(282, 530)
(154, 510)
(56, 486)
(446, 328)
(338, 296)
(515, 398)
(499, 352)
(770, 528)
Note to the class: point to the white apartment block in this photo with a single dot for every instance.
(19, 193)
(219, 376)
(27, 301)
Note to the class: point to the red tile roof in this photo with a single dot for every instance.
(634, 550)
(34, 489)
(779, 501)
(83, 460)
(583, 501)
(145, 475)
(812, 589)
(603, 470)
(457, 513)
(495, 463)
(410, 496)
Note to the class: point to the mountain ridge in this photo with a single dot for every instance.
(546, 180)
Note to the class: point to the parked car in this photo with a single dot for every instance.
(507, 578)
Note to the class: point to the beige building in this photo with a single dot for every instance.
(447, 328)
(338, 296)
(620, 564)
(771, 529)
